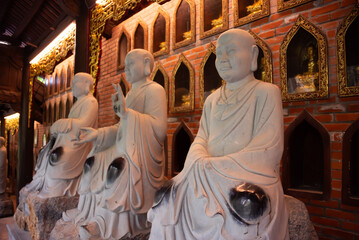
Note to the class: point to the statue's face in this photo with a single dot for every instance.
(134, 67)
(233, 61)
(79, 87)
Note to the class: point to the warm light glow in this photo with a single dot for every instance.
(101, 2)
(65, 33)
(12, 116)
(4, 43)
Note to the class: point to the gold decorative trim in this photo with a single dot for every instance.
(166, 49)
(283, 5)
(182, 59)
(344, 89)
(268, 66)
(265, 10)
(160, 68)
(145, 34)
(185, 42)
(120, 65)
(303, 23)
(213, 31)
(211, 49)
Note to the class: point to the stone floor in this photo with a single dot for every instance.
(3, 231)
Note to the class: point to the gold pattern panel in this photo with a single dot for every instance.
(213, 17)
(140, 36)
(184, 26)
(286, 4)
(347, 55)
(123, 47)
(304, 63)
(182, 86)
(160, 34)
(265, 66)
(160, 76)
(249, 10)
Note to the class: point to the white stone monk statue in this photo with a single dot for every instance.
(229, 187)
(126, 165)
(3, 166)
(60, 162)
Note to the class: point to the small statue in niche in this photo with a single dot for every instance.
(230, 186)
(216, 23)
(255, 7)
(126, 165)
(182, 97)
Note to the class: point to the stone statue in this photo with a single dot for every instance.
(126, 165)
(3, 166)
(60, 162)
(230, 186)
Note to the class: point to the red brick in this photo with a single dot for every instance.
(336, 155)
(282, 30)
(332, 127)
(337, 146)
(296, 111)
(272, 25)
(336, 194)
(329, 26)
(350, 208)
(340, 214)
(321, 18)
(336, 165)
(345, 3)
(304, 7)
(336, 184)
(325, 9)
(331, 108)
(346, 117)
(349, 99)
(268, 34)
(353, 107)
(331, 34)
(289, 119)
(336, 174)
(325, 221)
(341, 13)
(338, 233)
(324, 117)
(260, 22)
(283, 14)
(331, 204)
(315, 210)
(351, 226)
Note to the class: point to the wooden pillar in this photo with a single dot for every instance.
(2, 119)
(82, 39)
(26, 133)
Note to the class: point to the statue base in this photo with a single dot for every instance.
(6, 206)
(40, 215)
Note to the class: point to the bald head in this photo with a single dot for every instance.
(143, 54)
(82, 84)
(238, 35)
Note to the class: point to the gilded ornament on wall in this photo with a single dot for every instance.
(348, 69)
(163, 47)
(189, 36)
(303, 63)
(209, 23)
(286, 4)
(244, 14)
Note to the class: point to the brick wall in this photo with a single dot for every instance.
(332, 219)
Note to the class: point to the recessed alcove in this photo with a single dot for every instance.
(209, 77)
(264, 70)
(67, 107)
(61, 110)
(246, 11)
(49, 115)
(55, 113)
(160, 76)
(350, 183)
(56, 83)
(182, 94)
(181, 142)
(62, 80)
(184, 28)
(140, 36)
(160, 34)
(348, 50)
(50, 86)
(68, 77)
(214, 17)
(123, 49)
(303, 62)
(306, 158)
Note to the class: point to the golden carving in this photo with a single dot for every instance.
(145, 34)
(285, 4)
(254, 12)
(214, 30)
(344, 89)
(164, 49)
(160, 68)
(322, 89)
(187, 104)
(267, 71)
(189, 36)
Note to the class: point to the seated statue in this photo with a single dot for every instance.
(60, 163)
(126, 166)
(230, 186)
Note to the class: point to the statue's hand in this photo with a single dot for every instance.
(60, 126)
(84, 135)
(119, 102)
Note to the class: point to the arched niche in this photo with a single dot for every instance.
(125, 87)
(55, 113)
(49, 115)
(160, 33)
(306, 159)
(160, 76)
(61, 110)
(67, 106)
(213, 17)
(44, 115)
(181, 142)
(68, 77)
(124, 45)
(182, 86)
(246, 11)
(350, 183)
(265, 66)
(303, 63)
(56, 83)
(348, 51)
(140, 36)
(184, 27)
(62, 79)
(51, 86)
(208, 75)
(286, 4)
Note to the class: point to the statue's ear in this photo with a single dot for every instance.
(147, 63)
(254, 54)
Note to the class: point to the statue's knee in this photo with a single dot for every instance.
(55, 155)
(88, 164)
(114, 170)
(249, 203)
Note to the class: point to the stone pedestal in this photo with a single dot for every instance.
(40, 215)
(6, 206)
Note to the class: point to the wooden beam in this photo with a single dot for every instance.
(4, 7)
(26, 20)
(71, 7)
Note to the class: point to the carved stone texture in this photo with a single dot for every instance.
(44, 213)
